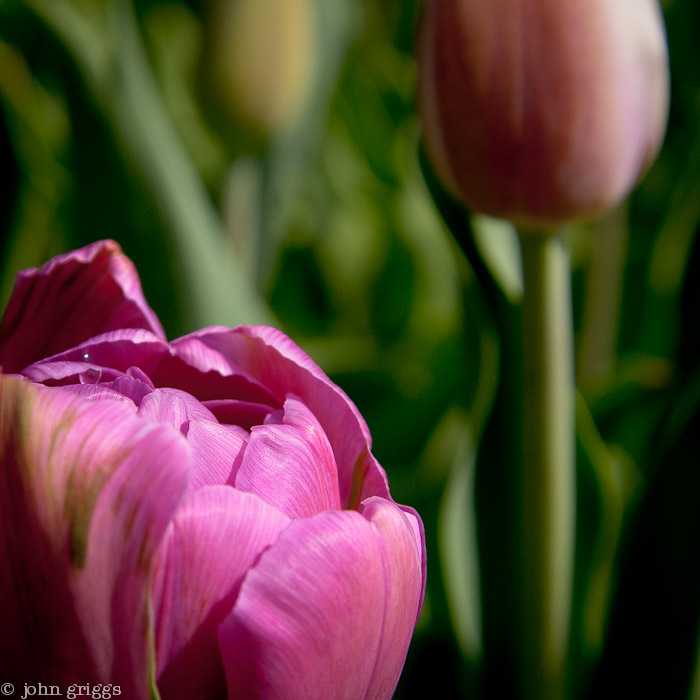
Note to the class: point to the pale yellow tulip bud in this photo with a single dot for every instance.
(259, 58)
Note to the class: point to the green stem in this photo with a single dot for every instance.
(548, 495)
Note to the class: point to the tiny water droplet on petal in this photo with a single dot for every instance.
(90, 376)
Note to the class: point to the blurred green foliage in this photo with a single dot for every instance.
(109, 129)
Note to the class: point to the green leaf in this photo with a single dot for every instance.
(608, 482)
(458, 539)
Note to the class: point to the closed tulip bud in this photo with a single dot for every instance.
(542, 111)
(258, 62)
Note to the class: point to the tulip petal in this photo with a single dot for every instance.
(208, 375)
(99, 392)
(291, 465)
(67, 373)
(70, 299)
(134, 385)
(275, 361)
(216, 536)
(217, 449)
(218, 452)
(403, 557)
(86, 492)
(112, 353)
(315, 617)
(175, 407)
(125, 388)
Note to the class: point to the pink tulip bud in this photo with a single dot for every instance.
(541, 111)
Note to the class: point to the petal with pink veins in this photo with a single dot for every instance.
(131, 387)
(291, 465)
(217, 449)
(124, 349)
(134, 385)
(404, 578)
(174, 407)
(86, 493)
(278, 363)
(218, 452)
(99, 392)
(216, 536)
(208, 375)
(70, 299)
(315, 612)
(63, 373)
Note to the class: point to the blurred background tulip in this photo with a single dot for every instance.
(542, 111)
(258, 64)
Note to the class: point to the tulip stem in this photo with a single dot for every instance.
(548, 477)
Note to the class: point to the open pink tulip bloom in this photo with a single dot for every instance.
(203, 515)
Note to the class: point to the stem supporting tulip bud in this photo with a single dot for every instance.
(548, 468)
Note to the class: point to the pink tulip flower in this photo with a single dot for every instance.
(541, 111)
(204, 516)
